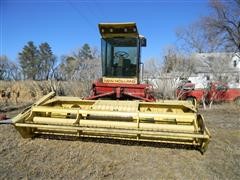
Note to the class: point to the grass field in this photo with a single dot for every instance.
(42, 158)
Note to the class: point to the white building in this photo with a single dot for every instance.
(214, 67)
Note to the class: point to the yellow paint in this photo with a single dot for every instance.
(164, 121)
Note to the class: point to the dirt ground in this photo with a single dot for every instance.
(41, 158)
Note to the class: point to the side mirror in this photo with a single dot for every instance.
(143, 41)
(141, 71)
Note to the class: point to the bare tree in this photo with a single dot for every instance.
(82, 65)
(88, 67)
(219, 31)
(15, 73)
(3, 67)
(224, 23)
(177, 63)
(8, 69)
(152, 69)
(66, 69)
(193, 38)
(167, 76)
(219, 67)
(179, 66)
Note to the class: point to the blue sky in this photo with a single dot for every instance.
(67, 24)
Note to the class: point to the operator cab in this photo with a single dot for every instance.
(120, 51)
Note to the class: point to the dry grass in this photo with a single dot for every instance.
(20, 93)
(83, 159)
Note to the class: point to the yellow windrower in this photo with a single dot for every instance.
(174, 122)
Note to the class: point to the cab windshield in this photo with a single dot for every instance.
(119, 57)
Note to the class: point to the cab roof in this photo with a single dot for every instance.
(125, 29)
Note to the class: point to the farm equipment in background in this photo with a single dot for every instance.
(215, 91)
(130, 113)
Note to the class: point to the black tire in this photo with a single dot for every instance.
(192, 100)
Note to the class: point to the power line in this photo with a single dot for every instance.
(100, 10)
(85, 18)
